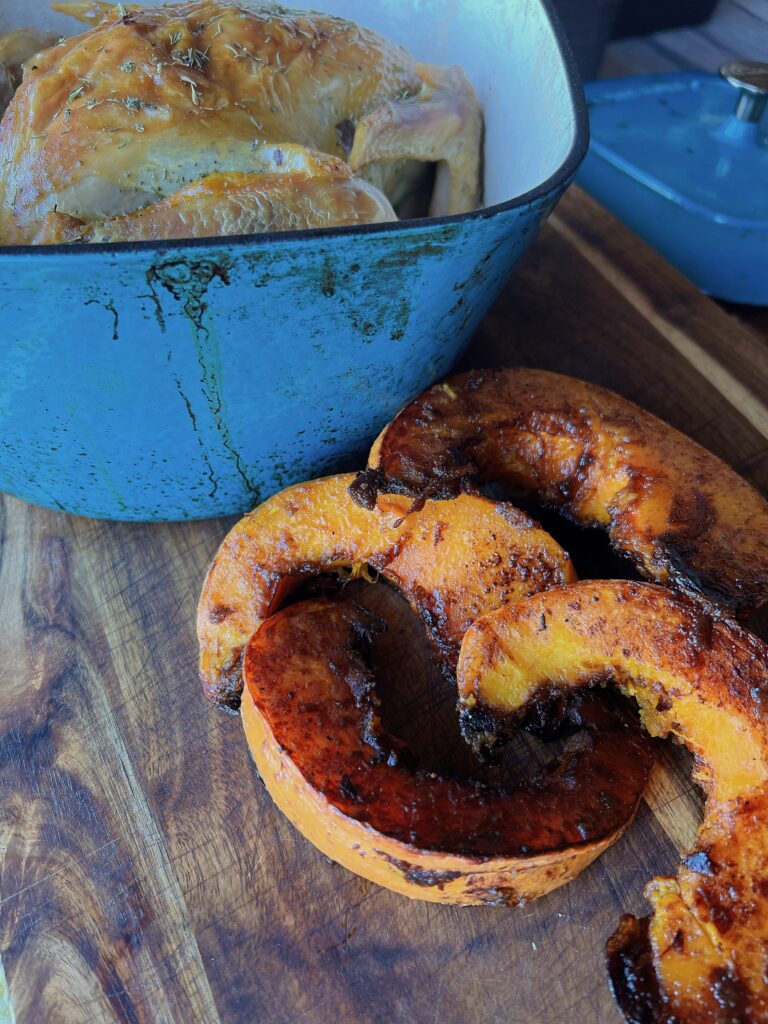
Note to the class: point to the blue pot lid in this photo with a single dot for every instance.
(679, 135)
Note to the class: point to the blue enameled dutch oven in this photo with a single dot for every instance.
(682, 158)
(193, 379)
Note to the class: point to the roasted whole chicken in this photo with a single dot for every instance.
(215, 117)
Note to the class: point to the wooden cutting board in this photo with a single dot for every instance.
(146, 875)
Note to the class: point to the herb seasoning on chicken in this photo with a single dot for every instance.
(135, 113)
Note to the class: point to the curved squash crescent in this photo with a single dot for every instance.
(702, 954)
(310, 716)
(453, 561)
(680, 514)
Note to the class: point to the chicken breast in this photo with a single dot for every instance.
(312, 192)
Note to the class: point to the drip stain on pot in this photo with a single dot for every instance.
(198, 436)
(187, 281)
(110, 307)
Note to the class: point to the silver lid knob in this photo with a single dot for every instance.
(750, 77)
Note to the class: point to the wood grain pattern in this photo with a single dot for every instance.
(738, 30)
(146, 877)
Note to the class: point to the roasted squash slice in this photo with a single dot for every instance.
(702, 956)
(311, 719)
(453, 561)
(680, 514)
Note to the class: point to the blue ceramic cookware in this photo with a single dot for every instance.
(193, 379)
(683, 160)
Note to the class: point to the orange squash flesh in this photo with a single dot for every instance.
(680, 514)
(702, 956)
(310, 717)
(453, 561)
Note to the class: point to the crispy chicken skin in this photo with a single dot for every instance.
(150, 100)
(15, 49)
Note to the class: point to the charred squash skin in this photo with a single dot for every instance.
(702, 955)
(680, 514)
(310, 717)
(453, 561)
